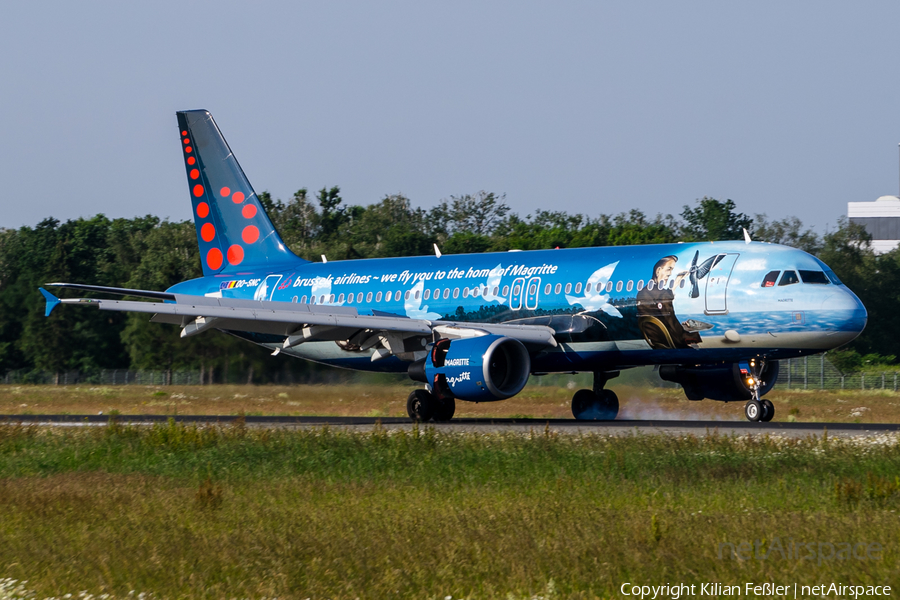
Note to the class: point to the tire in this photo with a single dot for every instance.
(609, 405)
(753, 410)
(420, 405)
(443, 409)
(769, 411)
(583, 403)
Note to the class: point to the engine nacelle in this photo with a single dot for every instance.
(479, 369)
(726, 382)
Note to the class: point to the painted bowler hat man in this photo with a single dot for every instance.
(656, 312)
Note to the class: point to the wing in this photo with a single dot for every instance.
(299, 323)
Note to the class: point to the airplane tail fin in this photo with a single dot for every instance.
(233, 229)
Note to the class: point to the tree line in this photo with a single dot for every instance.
(152, 253)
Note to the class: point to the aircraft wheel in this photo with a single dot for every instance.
(582, 404)
(768, 411)
(609, 405)
(753, 410)
(443, 409)
(420, 405)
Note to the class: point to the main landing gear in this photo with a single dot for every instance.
(757, 409)
(422, 406)
(597, 404)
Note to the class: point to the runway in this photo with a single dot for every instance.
(623, 427)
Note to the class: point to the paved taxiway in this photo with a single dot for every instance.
(623, 427)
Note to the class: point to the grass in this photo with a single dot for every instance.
(637, 401)
(182, 511)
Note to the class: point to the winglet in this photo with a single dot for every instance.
(747, 239)
(52, 301)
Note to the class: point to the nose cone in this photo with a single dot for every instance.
(846, 314)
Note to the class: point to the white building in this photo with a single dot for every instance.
(881, 219)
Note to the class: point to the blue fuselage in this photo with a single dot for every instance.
(611, 307)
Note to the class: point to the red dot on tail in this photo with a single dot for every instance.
(184, 133)
(191, 160)
(225, 192)
(238, 197)
(207, 232)
(214, 259)
(250, 234)
(235, 254)
(198, 190)
(188, 149)
(187, 141)
(195, 173)
(249, 211)
(203, 210)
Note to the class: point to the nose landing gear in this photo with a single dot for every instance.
(756, 409)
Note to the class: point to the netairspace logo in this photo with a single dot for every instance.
(679, 590)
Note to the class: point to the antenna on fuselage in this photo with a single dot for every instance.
(324, 260)
(747, 239)
(437, 251)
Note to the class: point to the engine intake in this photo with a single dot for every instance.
(480, 369)
(726, 381)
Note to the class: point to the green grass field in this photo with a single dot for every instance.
(185, 512)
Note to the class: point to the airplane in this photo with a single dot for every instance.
(714, 317)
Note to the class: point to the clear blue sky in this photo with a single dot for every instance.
(786, 108)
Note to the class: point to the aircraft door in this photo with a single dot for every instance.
(267, 288)
(717, 284)
(516, 292)
(532, 291)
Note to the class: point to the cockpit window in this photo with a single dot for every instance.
(789, 278)
(834, 278)
(813, 277)
(770, 279)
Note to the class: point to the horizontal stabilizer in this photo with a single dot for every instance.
(116, 291)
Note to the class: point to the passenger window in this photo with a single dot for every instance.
(609, 286)
(640, 284)
(629, 286)
(568, 288)
(578, 288)
(681, 284)
(456, 292)
(505, 290)
(369, 296)
(331, 299)
(618, 286)
(378, 297)
(789, 277)
(496, 290)
(532, 290)
(476, 291)
(770, 279)
(341, 298)
(547, 289)
(558, 288)
(426, 295)
(587, 288)
(312, 300)
(446, 293)
(406, 296)
(303, 299)
(650, 284)
(516, 290)
(359, 297)
(817, 277)
(465, 292)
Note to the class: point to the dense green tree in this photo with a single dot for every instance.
(713, 220)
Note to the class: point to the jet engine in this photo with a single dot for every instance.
(728, 381)
(479, 369)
